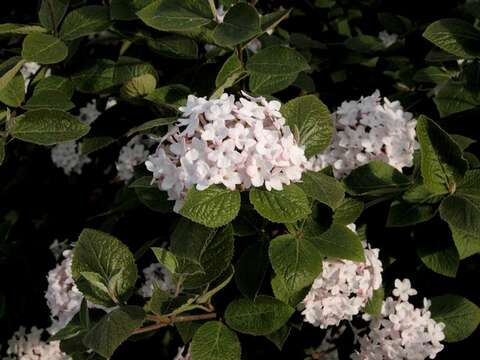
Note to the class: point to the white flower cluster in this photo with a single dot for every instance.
(156, 275)
(240, 143)
(181, 356)
(403, 331)
(387, 39)
(28, 71)
(134, 153)
(29, 346)
(68, 155)
(343, 289)
(368, 130)
(63, 297)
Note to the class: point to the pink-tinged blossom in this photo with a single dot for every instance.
(343, 289)
(369, 129)
(238, 143)
(134, 153)
(402, 331)
(156, 275)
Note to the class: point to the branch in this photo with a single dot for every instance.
(161, 321)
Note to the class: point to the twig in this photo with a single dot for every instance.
(161, 321)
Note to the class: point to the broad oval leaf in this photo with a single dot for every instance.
(212, 207)
(322, 188)
(277, 60)
(311, 123)
(84, 21)
(460, 316)
(296, 260)
(266, 84)
(260, 317)
(215, 341)
(47, 127)
(43, 49)
(240, 24)
(113, 329)
(98, 252)
(286, 206)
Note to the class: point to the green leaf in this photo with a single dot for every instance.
(454, 97)
(97, 252)
(467, 244)
(241, 23)
(277, 60)
(231, 69)
(84, 21)
(172, 96)
(126, 9)
(95, 280)
(176, 15)
(13, 93)
(52, 12)
(215, 258)
(151, 196)
(128, 68)
(113, 329)
(47, 127)
(455, 36)
(91, 144)
(97, 78)
(2, 150)
(286, 206)
(296, 260)
(221, 282)
(440, 256)
(279, 337)
(43, 49)
(49, 99)
(260, 317)
(406, 214)
(139, 86)
(166, 258)
(266, 84)
(152, 124)
(376, 179)
(460, 316)
(214, 341)
(338, 242)
(271, 20)
(374, 305)
(212, 207)
(462, 209)
(365, 44)
(311, 123)
(322, 188)
(57, 83)
(251, 269)
(19, 29)
(285, 294)
(174, 46)
(10, 74)
(349, 210)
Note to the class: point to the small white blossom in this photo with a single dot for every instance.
(68, 156)
(28, 71)
(29, 346)
(387, 39)
(181, 356)
(156, 275)
(132, 154)
(239, 144)
(402, 331)
(368, 130)
(63, 297)
(343, 289)
(58, 247)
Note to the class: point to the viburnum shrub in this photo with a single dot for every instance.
(226, 180)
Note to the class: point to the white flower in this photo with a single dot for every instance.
(181, 356)
(343, 289)
(368, 130)
(58, 247)
(63, 297)
(89, 113)
(28, 71)
(403, 289)
(156, 275)
(132, 154)
(29, 346)
(387, 39)
(402, 331)
(68, 156)
(238, 144)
